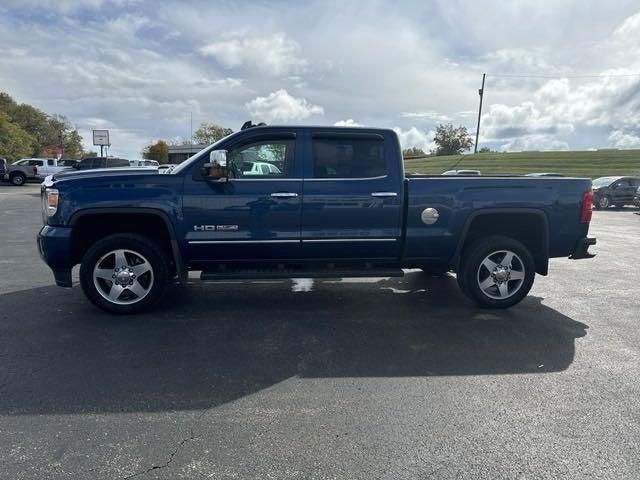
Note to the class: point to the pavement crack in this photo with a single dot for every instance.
(192, 436)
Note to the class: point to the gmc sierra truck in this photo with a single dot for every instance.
(336, 204)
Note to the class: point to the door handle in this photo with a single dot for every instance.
(284, 194)
(384, 194)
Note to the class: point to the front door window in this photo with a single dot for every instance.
(264, 159)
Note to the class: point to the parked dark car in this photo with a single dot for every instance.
(614, 191)
(67, 162)
(92, 163)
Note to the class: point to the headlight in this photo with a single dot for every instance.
(50, 202)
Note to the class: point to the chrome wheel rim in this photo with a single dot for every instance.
(604, 202)
(501, 274)
(123, 277)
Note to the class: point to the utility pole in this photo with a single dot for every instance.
(61, 140)
(481, 93)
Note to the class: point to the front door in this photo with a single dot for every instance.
(623, 191)
(255, 215)
(352, 205)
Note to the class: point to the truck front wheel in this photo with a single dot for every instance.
(18, 179)
(496, 272)
(124, 273)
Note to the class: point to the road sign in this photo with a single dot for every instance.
(101, 137)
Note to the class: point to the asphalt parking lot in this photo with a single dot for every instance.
(378, 378)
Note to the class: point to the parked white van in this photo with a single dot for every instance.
(144, 163)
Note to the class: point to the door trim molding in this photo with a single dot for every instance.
(196, 242)
(329, 240)
(306, 240)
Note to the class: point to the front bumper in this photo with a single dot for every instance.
(54, 246)
(581, 249)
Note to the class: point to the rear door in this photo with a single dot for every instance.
(39, 166)
(352, 202)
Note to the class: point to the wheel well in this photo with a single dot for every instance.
(528, 228)
(14, 174)
(92, 227)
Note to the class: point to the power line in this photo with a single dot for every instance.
(506, 75)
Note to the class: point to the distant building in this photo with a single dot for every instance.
(179, 153)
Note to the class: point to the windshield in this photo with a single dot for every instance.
(189, 161)
(603, 181)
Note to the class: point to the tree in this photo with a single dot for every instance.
(485, 150)
(72, 142)
(48, 132)
(61, 132)
(413, 152)
(452, 140)
(210, 133)
(15, 143)
(158, 151)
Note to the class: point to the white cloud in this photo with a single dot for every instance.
(64, 6)
(275, 54)
(429, 115)
(350, 122)
(620, 139)
(280, 106)
(629, 26)
(534, 142)
(504, 121)
(415, 138)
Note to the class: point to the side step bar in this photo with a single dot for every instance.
(277, 273)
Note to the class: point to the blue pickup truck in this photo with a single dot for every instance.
(320, 202)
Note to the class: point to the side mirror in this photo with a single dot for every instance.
(216, 169)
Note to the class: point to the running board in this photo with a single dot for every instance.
(283, 273)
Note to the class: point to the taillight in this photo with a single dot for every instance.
(587, 207)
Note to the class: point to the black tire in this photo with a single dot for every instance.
(472, 270)
(18, 179)
(603, 202)
(134, 245)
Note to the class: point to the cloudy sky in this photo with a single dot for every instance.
(561, 74)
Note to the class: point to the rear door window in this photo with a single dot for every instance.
(348, 157)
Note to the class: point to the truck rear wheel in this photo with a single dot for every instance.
(124, 273)
(496, 272)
